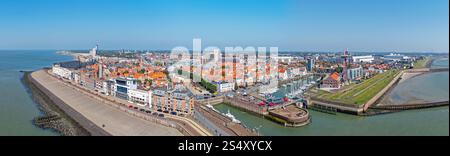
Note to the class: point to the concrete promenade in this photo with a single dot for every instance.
(111, 120)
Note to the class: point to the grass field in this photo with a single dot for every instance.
(359, 94)
(422, 63)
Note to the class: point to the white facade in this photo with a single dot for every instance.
(140, 97)
(355, 73)
(123, 86)
(298, 71)
(395, 57)
(285, 59)
(105, 88)
(365, 59)
(76, 77)
(62, 72)
(225, 87)
(93, 51)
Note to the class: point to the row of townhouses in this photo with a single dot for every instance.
(175, 100)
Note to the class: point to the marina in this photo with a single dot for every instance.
(434, 121)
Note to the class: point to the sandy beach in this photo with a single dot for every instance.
(407, 76)
(96, 115)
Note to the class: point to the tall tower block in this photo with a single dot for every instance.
(346, 57)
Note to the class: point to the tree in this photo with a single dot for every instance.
(149, 81)
(208, 86)
(339, 69)
(142, 71)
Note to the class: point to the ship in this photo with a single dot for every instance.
(231, 116)
(212, 108)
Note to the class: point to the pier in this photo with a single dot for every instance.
(427, 70)
(411, 106)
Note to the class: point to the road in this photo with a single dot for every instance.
(198, 128)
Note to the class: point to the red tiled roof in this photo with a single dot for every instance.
(335, 76)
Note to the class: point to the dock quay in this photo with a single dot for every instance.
(219, 124)
(288, 115)
(324, 109)
(235, 102)
(292, 116)
(334, 107)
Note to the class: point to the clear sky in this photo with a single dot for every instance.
(300, 25)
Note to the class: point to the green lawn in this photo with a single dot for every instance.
(359, 94)
(422, 63)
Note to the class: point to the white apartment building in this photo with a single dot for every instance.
(140, 97)
(364, 59)
(225, 87)
(62, 72)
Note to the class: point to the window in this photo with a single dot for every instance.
(122, 89)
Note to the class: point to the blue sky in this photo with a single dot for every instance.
(300, 25)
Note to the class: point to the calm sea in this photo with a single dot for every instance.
(17, 109)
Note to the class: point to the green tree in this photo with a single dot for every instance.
(339, 69)
(212, 88)
(142, 71)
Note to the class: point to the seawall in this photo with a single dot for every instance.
(68, 112)
(98, 115)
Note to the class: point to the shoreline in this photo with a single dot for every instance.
(96, 115)
(52, 118)
(381, 100)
